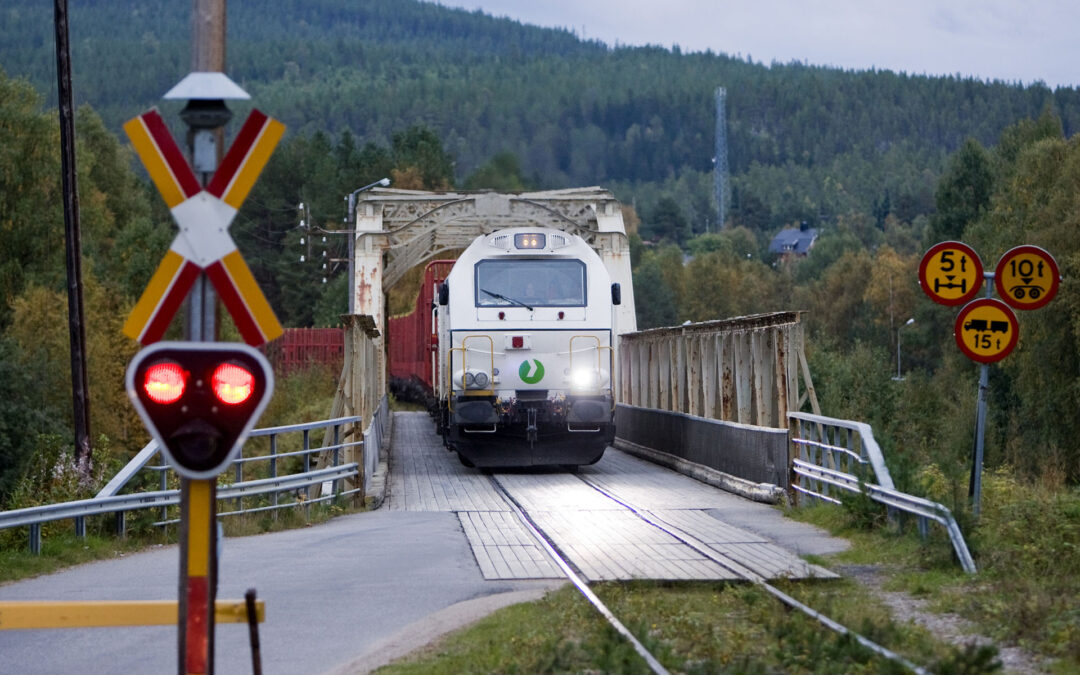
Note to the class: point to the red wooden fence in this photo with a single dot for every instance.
(300, 348)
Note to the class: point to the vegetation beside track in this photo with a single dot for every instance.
(1024, 543)
(691, 628)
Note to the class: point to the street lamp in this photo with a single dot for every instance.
(351, 198)
(907, 323)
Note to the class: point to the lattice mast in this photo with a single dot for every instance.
(720, 163)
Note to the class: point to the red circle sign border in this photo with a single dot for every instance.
(1055, 275)
(958, 328)
(926, 261)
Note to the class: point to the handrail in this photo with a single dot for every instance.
(820, 478)
(870, 450)
(151, 450)
(108, 500)
(923, 508)
(113, 487)
(96, 506)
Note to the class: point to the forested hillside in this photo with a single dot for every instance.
(806, 143)
(434, 98)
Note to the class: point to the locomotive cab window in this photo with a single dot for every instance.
(536, 283)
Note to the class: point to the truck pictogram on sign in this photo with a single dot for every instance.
(986, 330)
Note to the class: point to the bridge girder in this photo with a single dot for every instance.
(399, 229)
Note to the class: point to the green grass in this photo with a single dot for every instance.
(690, 628)
(65, 550)
(1026, 546)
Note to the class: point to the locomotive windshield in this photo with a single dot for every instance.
(536, 283)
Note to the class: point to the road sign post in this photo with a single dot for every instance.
(986, 330)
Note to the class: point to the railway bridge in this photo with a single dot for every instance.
(708, 399)
(710, 431)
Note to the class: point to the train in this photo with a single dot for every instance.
(525, 325)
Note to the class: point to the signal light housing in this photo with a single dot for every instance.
(199, 400)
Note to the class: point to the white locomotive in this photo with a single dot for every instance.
(526, 359)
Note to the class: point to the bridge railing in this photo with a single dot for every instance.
(830, 455)
(333, 480)
(744, 370)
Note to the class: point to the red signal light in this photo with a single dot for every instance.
(232, 384)
(164, 383)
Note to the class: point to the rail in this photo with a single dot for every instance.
(298, 485)
(830, 454)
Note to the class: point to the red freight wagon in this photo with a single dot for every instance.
(410, 340)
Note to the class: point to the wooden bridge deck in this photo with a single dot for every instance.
(601, 538)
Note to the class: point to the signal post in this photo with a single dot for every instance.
(200, 399)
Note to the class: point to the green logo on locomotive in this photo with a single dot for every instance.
(531, 371)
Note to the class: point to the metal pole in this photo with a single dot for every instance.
(207, 55)
(198, 498)
(975, 486)
(352, 251)
(898, 352)
(980, 433)
(80, 386)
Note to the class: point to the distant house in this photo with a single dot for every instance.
(794, 242)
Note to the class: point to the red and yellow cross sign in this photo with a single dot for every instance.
(204, 216)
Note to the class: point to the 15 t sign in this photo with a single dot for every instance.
(986, 330)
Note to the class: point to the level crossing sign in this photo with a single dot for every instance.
(951, 273)
(203, 216)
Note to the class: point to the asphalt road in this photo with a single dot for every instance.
(334, 593)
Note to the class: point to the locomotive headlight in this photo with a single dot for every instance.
(473, 379)
(584, 378)
(588, 379)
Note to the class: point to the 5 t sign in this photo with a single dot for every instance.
(951, 273)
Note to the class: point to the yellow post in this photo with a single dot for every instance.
(198, 572)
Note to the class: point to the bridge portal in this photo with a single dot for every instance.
(399, 229)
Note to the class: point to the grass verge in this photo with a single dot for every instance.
(690, 628)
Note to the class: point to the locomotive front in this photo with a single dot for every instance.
(526, 351)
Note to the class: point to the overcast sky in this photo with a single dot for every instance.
(1010, 40)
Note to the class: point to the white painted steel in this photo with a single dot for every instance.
(923, 508)
(833, 436)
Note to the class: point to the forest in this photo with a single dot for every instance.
(882, 164)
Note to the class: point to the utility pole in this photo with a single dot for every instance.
(206, 147)
(198, 581)
(80, 385)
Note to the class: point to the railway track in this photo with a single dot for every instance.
(742, 572)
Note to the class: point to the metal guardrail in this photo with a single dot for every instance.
(815, 480)
(837, 444)
(109, 501)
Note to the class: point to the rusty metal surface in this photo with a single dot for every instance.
(744, 369)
